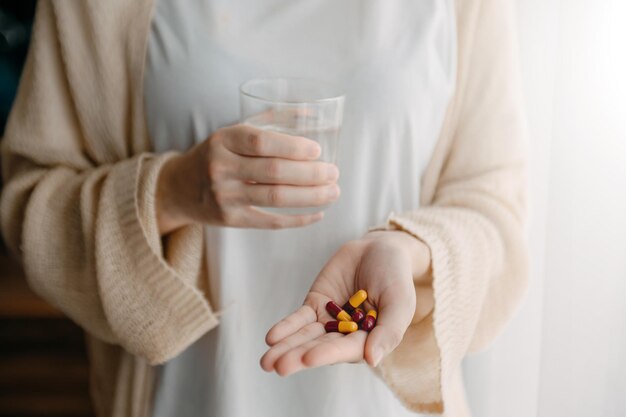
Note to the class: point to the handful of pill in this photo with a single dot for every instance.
(350, 317)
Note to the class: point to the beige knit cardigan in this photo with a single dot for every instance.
(78, 206)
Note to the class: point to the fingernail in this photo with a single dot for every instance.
(332, 173)
(333, 193)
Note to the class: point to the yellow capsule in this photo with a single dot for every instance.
(348, 327)
(343, 316)
(337, 312)
(341, 326)
(356, 300)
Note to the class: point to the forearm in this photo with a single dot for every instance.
(172, 191)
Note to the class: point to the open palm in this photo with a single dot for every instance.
(380, 263)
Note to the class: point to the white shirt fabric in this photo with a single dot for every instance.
(396, 62)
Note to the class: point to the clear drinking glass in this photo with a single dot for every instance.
(298, 107)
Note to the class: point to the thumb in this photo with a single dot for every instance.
(394, 318)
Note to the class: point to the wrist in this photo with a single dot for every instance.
(169, 200)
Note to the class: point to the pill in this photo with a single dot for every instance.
(337, 312)
(370, 321)
(358, 315)
(355, 301)
(341, 326)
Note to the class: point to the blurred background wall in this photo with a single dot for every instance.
(563, 355)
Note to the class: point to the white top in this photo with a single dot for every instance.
(396, 62)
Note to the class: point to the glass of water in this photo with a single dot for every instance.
(299, 107)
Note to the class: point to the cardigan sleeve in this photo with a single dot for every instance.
(82, 220)
(474, 225)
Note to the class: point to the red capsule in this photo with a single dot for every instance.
(370, 321)
(356, 300)
(336, 311)
(341, 326)
(358, 315)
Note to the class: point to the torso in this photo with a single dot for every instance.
(395, 61)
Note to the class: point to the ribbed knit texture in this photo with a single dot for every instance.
(78, 206)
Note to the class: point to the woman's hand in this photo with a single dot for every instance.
(220, 180)
(392, 266)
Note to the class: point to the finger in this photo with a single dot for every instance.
(394, 316)
(290, 195)
(250, 141)
(291, 324)
(345, 349)
(291, 362)
(284, 171)
(307, 333)
(259, 219)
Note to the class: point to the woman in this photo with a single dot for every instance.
(137, 221)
